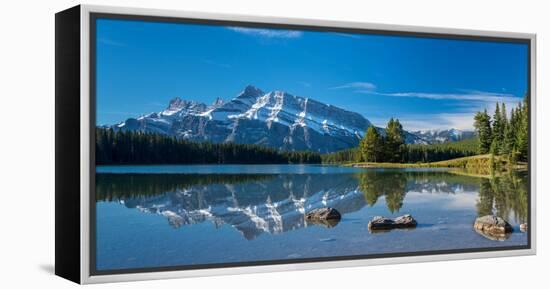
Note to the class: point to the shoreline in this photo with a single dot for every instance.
(478, 165)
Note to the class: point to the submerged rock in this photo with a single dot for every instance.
(523, 227)
(493, 227)
(381, 223)
(328, 217)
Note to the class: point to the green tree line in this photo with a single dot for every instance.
(440, 152)
(389, 146)
(500, 135)
(129, 147)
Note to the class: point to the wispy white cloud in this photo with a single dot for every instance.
(305, 83)
(466, 95)
(267, 33)
(464, 119)
(464, 103)
(360, 86)
(463, 94)
(471, 101)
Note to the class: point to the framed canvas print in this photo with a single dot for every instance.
(193, 144)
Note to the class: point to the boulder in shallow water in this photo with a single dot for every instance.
(328, 217)
(405, 221)
(493, 227)
(381, 223)
(523, 227)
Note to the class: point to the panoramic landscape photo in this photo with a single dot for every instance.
(225, 145)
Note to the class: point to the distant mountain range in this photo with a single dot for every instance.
(441, 136)
(275, 119)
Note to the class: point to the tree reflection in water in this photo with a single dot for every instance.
(505, 196)
(391, 185)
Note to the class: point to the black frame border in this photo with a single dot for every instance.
(67, 144)
(216, 22)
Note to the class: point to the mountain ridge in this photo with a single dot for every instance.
(276, 119)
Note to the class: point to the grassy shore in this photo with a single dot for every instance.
(481, 165)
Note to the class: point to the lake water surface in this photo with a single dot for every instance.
(158, 216)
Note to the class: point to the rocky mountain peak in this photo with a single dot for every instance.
(177, 103)
(250, 91)
(179, 106)
(218, 102)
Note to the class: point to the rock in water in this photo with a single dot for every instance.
(328, 217)
(405, 221)
(493, 227)
(323, 214)
(523, 227)
(381, 223)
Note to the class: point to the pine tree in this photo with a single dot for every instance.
(522, 133)
(499, 126)
(372, 145)
(363, 148)
(394, 142)
(482, 124)
(509, 138)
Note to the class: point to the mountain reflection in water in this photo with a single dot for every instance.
(269, 203)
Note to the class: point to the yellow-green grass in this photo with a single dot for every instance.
(478, 163)
(477, 160)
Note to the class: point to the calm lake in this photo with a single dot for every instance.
(157, 216)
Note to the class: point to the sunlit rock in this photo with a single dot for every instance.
(328, 217)
(382, 223)
(493, 227)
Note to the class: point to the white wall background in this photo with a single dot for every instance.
(27, 142)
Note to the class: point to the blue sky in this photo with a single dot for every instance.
(426, 83)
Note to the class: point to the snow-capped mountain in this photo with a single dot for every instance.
(275, 119)
(441, 136)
